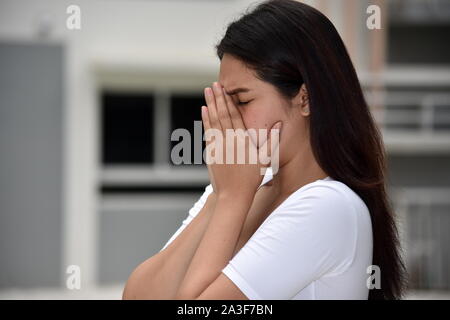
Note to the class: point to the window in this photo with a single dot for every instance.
(185, 109)
(127, 135)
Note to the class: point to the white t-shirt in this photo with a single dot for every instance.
(317, 244)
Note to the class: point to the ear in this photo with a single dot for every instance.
(304, 101)
(301, 101)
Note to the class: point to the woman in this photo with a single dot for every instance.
(314, 229)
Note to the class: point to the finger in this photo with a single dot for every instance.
(212, 110)
(207, 128)
(206, 124)
(222, 109)
(205, 118)
(236, 118)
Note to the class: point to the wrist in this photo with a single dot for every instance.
(235, 196)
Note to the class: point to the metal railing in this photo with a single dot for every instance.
(420, 112)
(424, 223)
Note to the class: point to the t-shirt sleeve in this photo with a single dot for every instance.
(311, 234)
(191, 214)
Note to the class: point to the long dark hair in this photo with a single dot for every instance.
(288, 43)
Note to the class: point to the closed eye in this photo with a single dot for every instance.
(243, 102)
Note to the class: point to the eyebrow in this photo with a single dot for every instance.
(237, 90)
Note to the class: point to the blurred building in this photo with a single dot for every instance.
(87, 115)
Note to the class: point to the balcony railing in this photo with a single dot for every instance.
(424, 217)
(420, 112)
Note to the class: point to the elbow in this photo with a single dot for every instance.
(129, 291)
(143, 282)
(127, 294)
(139, 283)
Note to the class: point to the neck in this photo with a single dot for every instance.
(297, 172)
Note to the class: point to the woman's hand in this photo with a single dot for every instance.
(233, 172)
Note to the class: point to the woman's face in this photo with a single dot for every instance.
(264, 106)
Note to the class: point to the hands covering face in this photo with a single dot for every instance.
(228, 137)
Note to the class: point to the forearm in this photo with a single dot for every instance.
(217, 245)
(180, 252)
(160, 276)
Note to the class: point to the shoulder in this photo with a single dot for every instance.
(324, 212)
(329, 199)
(314, 230)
